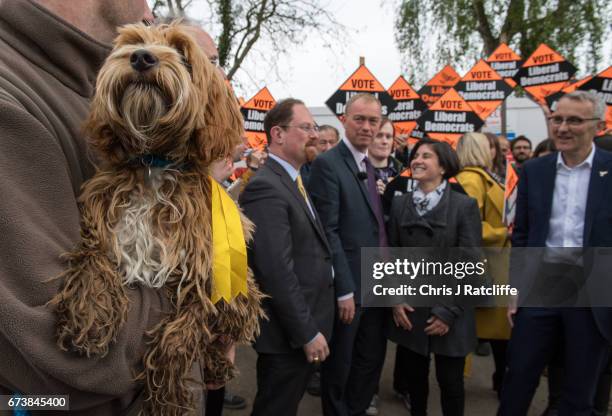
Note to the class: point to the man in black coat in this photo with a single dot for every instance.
(343, 188)
(562, 206)
(291, 261)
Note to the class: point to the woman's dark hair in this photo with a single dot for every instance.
(447, 157)
(498, 167)
(546, 145)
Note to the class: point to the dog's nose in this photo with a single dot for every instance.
(142, 60)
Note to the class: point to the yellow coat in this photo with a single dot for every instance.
(491, 323)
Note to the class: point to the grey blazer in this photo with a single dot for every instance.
(291, 262)
(454, 222)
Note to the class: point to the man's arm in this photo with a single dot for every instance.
(39, 221)
(324, 189)
(520, 234)
(271, 256)
(521, 221)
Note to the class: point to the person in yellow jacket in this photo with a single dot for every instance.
(479, 183)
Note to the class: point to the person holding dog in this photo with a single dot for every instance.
(50, 53)
(291, 262)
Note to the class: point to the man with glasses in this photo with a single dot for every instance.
(343, 187)
(563, 203)
(291, 262)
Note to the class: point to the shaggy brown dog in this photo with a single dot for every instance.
(161, 114)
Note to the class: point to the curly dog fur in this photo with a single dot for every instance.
(151, 225)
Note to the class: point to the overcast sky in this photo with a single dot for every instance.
(313, 73)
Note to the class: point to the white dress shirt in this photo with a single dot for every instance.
(357, 155)
(566, 224)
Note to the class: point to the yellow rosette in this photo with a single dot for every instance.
(229, 273)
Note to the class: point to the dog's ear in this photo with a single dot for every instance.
(219, 127)
(223, 124)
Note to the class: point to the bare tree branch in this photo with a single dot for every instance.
(490, 42)
(242, 25)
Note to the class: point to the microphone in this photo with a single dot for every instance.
(362, 176)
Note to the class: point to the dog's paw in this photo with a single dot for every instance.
(79, 341)
(87, 332)
(217, 369)
(91, 307)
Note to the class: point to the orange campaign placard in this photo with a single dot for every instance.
(483, 89)
(449, 118)
(601, 84)
(254, 111)
(438, 85)
(360, 81)
(544, 73)
(552, 99)
(506, 62)
(416, 134)
(409, 106)
(510, 193)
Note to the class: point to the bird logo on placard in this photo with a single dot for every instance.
(447, 77)
(546, 92)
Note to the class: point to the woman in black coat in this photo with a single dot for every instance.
(433, 215)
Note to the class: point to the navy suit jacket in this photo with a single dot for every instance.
(534, 205)
(342, 201)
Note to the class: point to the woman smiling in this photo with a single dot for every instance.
(432, 215)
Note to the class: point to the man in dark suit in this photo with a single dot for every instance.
(563, 202)
(291, 261)
(343, 188)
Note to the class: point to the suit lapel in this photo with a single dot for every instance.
(318, 224)
(293, 190)
(548, 175)
(595, 194)
(352, 166)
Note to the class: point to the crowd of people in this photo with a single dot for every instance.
(362, 196)
(316, 196)
(403, 206)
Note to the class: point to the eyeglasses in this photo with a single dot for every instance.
(571, 121)
(305, 127)
(373, 121)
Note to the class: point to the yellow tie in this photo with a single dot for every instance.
(301, 188)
